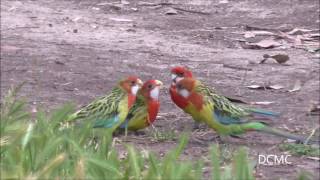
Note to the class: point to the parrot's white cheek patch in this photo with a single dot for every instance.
(179, 79)
(154, 93)
(173, 76)
(134, 89)
(184, 93)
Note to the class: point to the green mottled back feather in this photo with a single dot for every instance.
(139, 105)
(230, 119)
(220, 103)
(137, 115)
(104, 109)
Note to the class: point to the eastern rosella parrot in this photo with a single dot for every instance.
(204, 105)
(111, 110)
(144, 111)
(178, 73)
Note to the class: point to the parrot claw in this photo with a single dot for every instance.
(222, 139)
(238, 137)
(197, 127)
(199, 141)
(115, 141)
(139, 133)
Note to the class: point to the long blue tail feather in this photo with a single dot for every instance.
(264, 112)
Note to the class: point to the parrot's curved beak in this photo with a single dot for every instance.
(159, 83)
(173, 78)
(139, 82)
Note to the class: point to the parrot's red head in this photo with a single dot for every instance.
(186, 87)
(151, 90)
(131, 84)
(179, 72)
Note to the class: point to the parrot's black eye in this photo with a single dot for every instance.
(179, 86)
(150, 86)
(181, 74)
(133, 82)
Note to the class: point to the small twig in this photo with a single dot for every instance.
(170, 4)
(191, 11)
(28, 27)
(310, 136)
(235, 39)
(154, 129)
(237, 67)
(155, 4)
(252, 28)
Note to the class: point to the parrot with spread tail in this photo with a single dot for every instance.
(144, 111)
(110, 111)
(205, 105)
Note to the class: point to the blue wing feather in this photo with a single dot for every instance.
(263, 112)
(107, 123)
(225, 119)
(125, 123)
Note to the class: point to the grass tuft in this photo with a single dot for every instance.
(301, 149)
(38, 148)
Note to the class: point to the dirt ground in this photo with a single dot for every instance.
(74, 51)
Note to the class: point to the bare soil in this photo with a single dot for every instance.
(75, 51)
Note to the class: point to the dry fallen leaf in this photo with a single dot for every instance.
(121, 19)
(314, 35)
(296, 87)
(103, 4)
(264, 44)
(280, 58)
(125, 2)
(262, 103)
(223, 2)
(77, 19)
(249, 34)
(96, 8)
(171, 11)
(236, 100)
(297, 31)
(313, 158)
(268, 43)
(255, 87)
(276, 87)
(314, 109)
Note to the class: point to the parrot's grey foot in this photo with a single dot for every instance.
(238, 137)
(139, 133)
(222, 139)
(199, 141)
(219, 140)
(198, 126)
(117, 133)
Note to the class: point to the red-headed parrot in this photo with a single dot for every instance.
(205, 105)
(111, 110)
(177, 74)
(144, 111)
